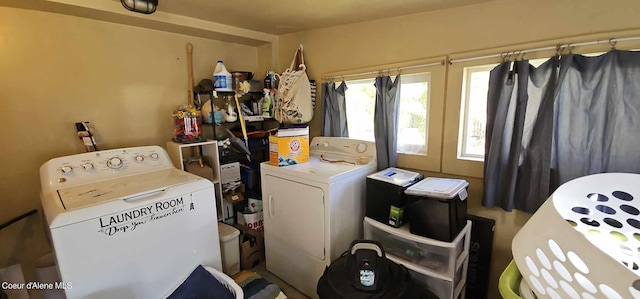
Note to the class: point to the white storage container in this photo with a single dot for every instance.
(230, 248)
(438, 257)
(443, 288)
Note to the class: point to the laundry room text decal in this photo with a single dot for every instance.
(132, 219)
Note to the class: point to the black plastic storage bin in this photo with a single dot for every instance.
(437, 208)
(250, 176)
(385, 199)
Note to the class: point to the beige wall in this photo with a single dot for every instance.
(56, 70)
(467, 29)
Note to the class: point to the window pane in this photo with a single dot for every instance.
(360, 101)
(413, 112)
(413, 118)
(474, 120)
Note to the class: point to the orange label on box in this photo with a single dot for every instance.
(289, 150)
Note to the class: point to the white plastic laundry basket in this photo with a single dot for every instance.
(228, 282)
(584, 241)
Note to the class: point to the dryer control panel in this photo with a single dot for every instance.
(342, 147)
(90, 167)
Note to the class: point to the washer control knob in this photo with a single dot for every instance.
(154, 156)
(361, 147)
(114, 163)
(139, 158)
(66, 169)
(88, 166)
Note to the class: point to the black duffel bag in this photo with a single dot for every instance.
(365, 272)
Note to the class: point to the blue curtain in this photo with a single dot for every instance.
(385, 122)
(334, 120)
(518, 143)
(572, 116)
(597, 115)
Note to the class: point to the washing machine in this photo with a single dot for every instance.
(314, 210)
(125, 223)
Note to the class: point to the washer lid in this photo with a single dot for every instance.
(124, 188)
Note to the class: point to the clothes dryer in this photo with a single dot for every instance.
(314, 210)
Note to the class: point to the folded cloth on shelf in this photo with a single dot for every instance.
(201, 284)
(256, 287)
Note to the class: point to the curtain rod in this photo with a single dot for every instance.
(559, 47)
(384, 70)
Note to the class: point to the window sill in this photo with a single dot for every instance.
(472, 159)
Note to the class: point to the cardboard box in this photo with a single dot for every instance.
(289, 146)
(230, 172)
(236, 195)
(251, 247)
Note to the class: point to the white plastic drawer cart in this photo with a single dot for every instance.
(441, 266)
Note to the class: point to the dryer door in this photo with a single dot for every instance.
(294, 214)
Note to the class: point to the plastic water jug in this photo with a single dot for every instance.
(222, 78)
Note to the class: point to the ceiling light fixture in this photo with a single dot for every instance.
(141, 6)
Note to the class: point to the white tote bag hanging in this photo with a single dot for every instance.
(293, 100)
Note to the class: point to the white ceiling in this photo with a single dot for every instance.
(286, 16)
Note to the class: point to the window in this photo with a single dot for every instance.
(473, 120)
(412, 118)
(473, 112)
(360, 99)
(465, 108)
